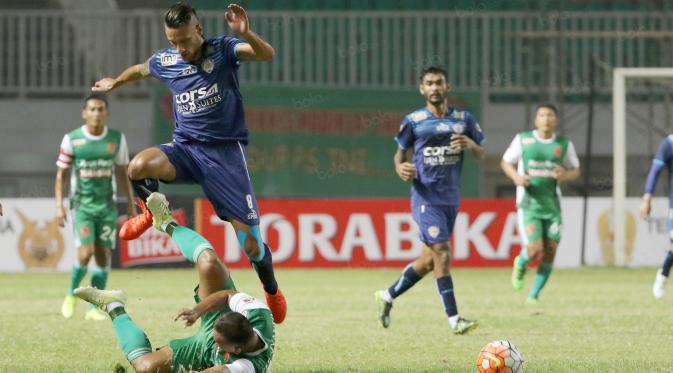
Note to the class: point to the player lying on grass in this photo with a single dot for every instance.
(236, 333)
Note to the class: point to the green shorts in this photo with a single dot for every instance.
(98, 229)
(534, 227)
(200, 351)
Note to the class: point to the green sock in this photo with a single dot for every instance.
(543, 273)
(191, 244)
(76, 275)
(132, 339)
(523, 260)
(99, 277)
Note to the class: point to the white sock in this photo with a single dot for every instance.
(386, 296)
(453, 320)
(112, 305)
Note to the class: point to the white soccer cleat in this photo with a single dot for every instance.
(659, 287)
(101, 298)
(161, 213)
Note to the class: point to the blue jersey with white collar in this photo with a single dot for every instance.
(207, 103)
(438, 166)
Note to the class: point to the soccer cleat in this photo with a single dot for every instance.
(659, 287)
(384, 308)
(68, 307)
(95, 314)
(100, 298)
(464, 325)
(137, 225)
(158, 205)
(277, 305)
(517, 275)
(531, 301)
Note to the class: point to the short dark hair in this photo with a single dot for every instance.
(551, 107)
(434, 70)
(179, 14)
(234, 327)
(96, 96)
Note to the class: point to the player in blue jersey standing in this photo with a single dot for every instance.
(662, 160)
(430, 154)
(210, 133)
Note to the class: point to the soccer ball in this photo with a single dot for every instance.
(500, 357)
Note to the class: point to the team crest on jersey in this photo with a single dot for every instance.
(168, 59)
(458, 114)
(433, 231)
(419, 116)
(111, 148)
(557, 151)
(78, 142)
(188, 71)
(530, 229)
(528, 141)
(208, 65)
(458, 128)
(443, 127)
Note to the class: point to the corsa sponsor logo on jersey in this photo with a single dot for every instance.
(440, 155)
(197, 100)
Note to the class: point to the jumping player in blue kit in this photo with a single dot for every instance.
(662, 160)
(210, 135)
(433, 138)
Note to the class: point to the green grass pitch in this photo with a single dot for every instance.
(589, 320)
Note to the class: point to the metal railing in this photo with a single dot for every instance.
(59, 52)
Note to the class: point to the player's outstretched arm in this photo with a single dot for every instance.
(213, 302)
(256, 48)
(131, 74)
(61, 176)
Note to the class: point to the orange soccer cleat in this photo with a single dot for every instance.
(137, 225)
(277, 305)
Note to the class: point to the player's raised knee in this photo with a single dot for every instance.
(144, 364)
(208, 260)
(137, 168)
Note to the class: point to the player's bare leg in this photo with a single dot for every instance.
(543, 270)
(659, 286)
(132, 339)
(99, 278)
(259, 254)
(145, 170)
(79, 269)
(441, 254)
(411, 274)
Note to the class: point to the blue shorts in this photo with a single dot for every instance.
(222, 172)
(435, 222)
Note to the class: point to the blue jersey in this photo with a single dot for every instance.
(207, 103)
(663, 160)
(438, 165)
